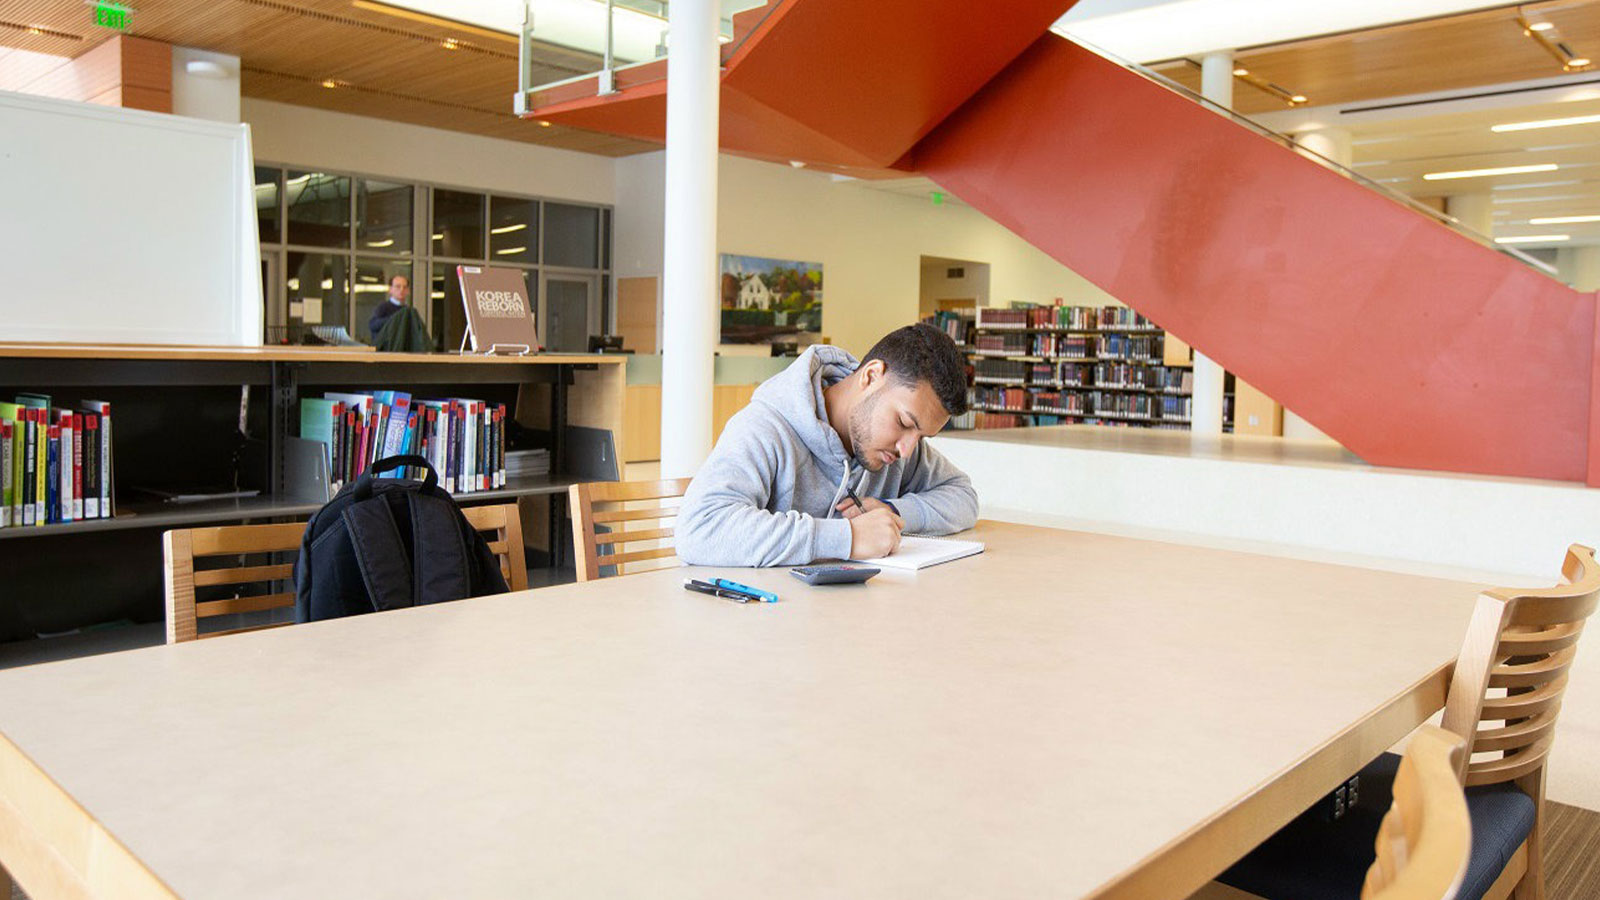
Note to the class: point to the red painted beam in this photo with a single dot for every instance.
(1412, 345)
(1594, 399)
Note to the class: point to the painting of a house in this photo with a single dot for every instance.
(770, 300)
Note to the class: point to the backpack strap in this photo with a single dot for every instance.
(441, 566)
(380, 554)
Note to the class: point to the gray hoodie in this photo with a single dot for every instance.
(766, 495)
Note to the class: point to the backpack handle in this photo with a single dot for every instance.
(364, 483)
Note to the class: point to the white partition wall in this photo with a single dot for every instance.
(125, 226)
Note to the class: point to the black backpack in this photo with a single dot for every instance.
(389, 543)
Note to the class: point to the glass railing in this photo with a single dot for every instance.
(604, 38)
(1400, 197)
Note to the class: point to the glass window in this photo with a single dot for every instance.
(373, 287)
(513, 230)
(318, 209)
(269, 219)
(448, 321)
(383, 216)
(457, 224)
(317, 288)
(571, 236)
(605, 240)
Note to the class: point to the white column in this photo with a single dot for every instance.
(689, 260)
(1216, 85)
(1476, 211)
(1335, 144)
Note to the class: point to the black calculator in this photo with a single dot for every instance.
(834, 574)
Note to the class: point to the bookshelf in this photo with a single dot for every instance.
(203, 416)
(1058, 364)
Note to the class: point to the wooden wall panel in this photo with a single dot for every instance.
(636, 314)
(122, 71)
(1254, 412)
(642, 413)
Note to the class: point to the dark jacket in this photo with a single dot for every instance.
(381, 315)
(404, 332)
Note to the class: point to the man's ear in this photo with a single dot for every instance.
(872, 372)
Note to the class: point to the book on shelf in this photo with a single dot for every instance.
(462, 438)
(105, 460)
(53, 467)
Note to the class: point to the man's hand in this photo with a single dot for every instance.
(848, 507)
(875, 532)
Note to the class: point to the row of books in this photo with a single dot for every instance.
(954, 323)
(55, 463)
(462, 438)
(1073, 345)
(1082, 403)
(1074, 374)
(1013, 344)
(1063, 318)
(1129, 346)
(1121, 317)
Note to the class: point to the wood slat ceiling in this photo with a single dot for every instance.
(385, 66)
(1464, 51)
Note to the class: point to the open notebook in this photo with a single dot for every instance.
(921, 552)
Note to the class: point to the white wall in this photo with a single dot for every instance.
(937, 284)
(314, 137)
(205, 97)
(870, 242)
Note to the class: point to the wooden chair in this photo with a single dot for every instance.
(587, 539)
(1503, 701)
(254, 585)
(1426, 837)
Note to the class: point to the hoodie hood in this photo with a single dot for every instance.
(796, 395)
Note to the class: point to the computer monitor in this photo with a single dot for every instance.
(605, 343)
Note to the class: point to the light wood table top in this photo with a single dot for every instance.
(1068, 715)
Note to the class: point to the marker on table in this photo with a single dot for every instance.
(736, 587)
(702, 587)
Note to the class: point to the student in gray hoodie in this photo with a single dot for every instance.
(773, 491)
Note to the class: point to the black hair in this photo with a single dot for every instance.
(922, 352)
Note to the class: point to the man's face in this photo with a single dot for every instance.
(890, 418)
(399, 288)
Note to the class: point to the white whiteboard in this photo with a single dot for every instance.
(125, 226)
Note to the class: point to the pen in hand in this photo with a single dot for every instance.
(853, 498)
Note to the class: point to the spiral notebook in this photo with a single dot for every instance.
(922, 552)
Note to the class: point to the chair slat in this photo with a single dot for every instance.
(243, 575)
(625, 491)
(213, 634)
(616, 559)
(1534, 673)
(1511, 737)
(236, 539)
(1521, 706)
(1540, 641)
(207, 608)
(633, 537)
(1510, 767)
(629, 515)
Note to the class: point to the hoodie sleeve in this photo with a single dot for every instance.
(935, 496)
(724, 520)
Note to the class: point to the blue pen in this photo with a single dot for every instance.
(725, 584)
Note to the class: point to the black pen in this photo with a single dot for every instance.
(702, 587)
(854, 499)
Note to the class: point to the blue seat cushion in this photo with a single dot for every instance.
(1315, 859)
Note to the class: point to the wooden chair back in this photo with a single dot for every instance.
(238, 560)
(1425, 839)
(623, 502)
(1512, 671)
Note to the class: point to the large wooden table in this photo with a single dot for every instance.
(1067, 715)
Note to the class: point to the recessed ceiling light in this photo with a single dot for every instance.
(1534, 239)
(1483, 173)
(329, 83)
(1298, 98)
(1563, 220)
(1541, 26)
(1546, 123)
(1241, 71)
(544, 123)
(450, 44)
(1578, 62)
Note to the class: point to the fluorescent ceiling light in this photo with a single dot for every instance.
(1151, 30)
(1483, 173)
(1533, 184)
(1563, 220)
(1534, 239)
(383, 243)
(1546, 123)
(511, 250)
(507, 229)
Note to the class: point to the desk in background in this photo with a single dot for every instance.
(1067, 714)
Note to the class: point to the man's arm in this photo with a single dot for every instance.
(936, 497)
(724, 520)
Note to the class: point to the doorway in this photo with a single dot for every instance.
(949, 284)
(570, 311)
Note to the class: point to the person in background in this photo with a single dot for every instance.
(777, 489)
(399, 292)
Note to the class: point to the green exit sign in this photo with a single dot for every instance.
(111, 15)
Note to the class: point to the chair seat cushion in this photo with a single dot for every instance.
(1315, 859)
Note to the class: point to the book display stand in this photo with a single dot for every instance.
(500, 319)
